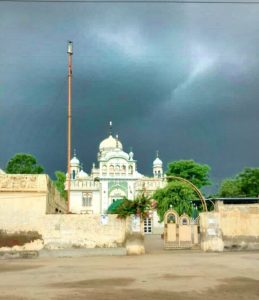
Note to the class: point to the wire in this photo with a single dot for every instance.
(135, 1)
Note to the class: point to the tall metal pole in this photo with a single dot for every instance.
(69, 119)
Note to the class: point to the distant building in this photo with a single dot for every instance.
(2, 172)
(114, 177)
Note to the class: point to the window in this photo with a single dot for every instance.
(184, 221)
(147, 225)
(123, 169)
(130, 170)
(111, 169)
(87, 199)
(73, 174)
(104, 169)
(117, 169)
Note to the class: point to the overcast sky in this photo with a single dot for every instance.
(181, 79)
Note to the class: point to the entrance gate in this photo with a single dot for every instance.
(180, 232)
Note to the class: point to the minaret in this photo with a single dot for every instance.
(74, 166)
(157, 166)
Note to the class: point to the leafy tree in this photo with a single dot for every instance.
(230, 188)
(244, 184)
(175, 194)
(23, 163)
(60, 183)
(249, 181)
(196, 173)
(125, 207)
(178, 194)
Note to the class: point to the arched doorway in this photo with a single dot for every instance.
(116, 194)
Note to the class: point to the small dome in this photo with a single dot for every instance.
(157, 162)
(74, 161)
(82, 174)
(110, 143)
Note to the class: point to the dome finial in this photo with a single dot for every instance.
(131, 154)
(157, 153)
(74, 152)
(110, 128)
(117, 140)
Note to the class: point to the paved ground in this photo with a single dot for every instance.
(163, 275)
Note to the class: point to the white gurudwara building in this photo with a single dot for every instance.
(114, 177)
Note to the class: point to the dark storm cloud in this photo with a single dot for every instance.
(179, 78)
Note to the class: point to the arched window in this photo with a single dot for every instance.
(123, 169)
(104, 169)
(159, 173)
(111, 169)
(117, 169)
(130, 169)
(73, 174)
(171, 218)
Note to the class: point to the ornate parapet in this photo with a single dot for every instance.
(23, 183)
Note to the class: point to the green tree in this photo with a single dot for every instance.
(244, 184)
(175, 194)
(178, 194)
(196, 173)
(23, 163)
(249, 181)
(125, 207)
(230, 188)
(60, 183)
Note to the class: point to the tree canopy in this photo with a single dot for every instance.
(23, 163)
(60, 183)
(125, 207)
(230, 188)
(178, 194)
(175, 194)
(244, 184)
(196, 173)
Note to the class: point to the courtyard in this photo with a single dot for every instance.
(160, 274)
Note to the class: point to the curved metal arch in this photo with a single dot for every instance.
(198, 192)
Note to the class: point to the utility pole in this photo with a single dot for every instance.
(69, 119)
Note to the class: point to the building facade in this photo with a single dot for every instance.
(114, 177)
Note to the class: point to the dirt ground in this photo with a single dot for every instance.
(163, 275)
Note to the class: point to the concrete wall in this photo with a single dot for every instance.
(63, 231)
(230, 227)
(29, 195)
(29, 219)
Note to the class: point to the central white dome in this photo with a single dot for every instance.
(110, 143)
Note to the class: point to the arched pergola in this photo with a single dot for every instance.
(196, 190)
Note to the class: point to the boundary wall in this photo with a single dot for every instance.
(32, 218)
(230, 227)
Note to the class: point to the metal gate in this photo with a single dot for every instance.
(180, 232)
